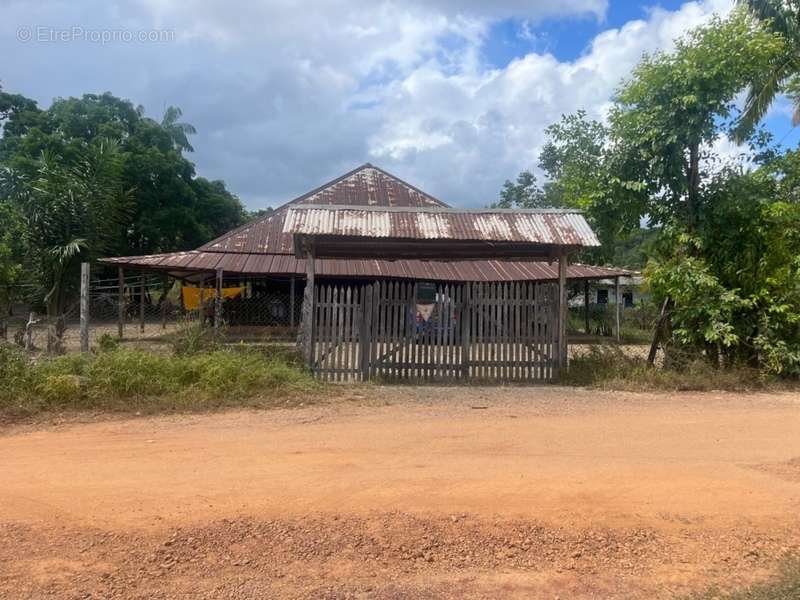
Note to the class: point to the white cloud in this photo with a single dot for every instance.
(285, 97)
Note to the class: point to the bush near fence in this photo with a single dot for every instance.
(129, 379)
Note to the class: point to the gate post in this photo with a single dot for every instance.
(309, 312)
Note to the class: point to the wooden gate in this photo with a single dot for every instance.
(473, 331)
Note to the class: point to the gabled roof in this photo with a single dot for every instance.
(260, 248)
(365, 186)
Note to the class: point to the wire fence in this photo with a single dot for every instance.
(151, 310)
(148, 309)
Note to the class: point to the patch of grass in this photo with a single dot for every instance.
(608, 367)
(784, 586)
(138, 380)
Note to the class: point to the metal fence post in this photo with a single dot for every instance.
(85, 307)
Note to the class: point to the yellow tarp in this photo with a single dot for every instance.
(191, 295)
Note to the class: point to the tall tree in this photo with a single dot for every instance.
(71, 210)
(668, 115)
(522, 193)
(173, 209)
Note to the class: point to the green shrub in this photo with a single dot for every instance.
(60, 389)
(107, 342)
(609, 367)
(130, 379)
(192, 337)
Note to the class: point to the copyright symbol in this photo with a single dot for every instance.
(24, 34)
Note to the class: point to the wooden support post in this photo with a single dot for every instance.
(563, 360)
(141, 303)
(292, 301)
(617, 315)
(29, 331)
(84, 307)
(120, 302)
(202, 309)
(309, 310)
(586, 305)
(164, 292)
(662, 319)
(218, 302)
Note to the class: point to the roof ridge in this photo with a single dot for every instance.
(280, 209)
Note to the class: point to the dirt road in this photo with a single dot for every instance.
(408, 492)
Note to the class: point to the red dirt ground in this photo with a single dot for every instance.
(407, 492)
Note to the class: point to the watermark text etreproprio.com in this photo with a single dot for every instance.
(43, 34)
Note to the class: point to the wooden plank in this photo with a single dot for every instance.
(466, 325)
(327, 329)
(355, 332)
(563, 358)
(405, 334)
(348, 330)
(364, 336)
(515, 357)
(393, 322)
(340, 330)
(373, 348)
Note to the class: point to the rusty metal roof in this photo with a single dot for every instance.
(261, 248)
(551, 227)
(197, 261)
(365, 186)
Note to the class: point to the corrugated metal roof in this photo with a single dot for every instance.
(552, 227)
(365, 186)
(261, 247)
(283, 265)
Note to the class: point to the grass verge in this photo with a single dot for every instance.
(130, 380)
(608, 367)
(785, 586)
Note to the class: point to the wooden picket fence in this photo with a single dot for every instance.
(473, 331)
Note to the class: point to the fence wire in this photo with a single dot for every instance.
(151, 310)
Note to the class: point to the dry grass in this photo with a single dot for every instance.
(131, 380)
(609, 367)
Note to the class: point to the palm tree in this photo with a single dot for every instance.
(781, 17)
(72, 210)
(179, 132)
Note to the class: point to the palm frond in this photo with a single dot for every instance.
(760, 96)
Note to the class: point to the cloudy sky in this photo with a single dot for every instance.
(451, 95)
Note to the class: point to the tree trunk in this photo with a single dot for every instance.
(693, 181)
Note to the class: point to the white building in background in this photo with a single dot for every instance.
(602, 291)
